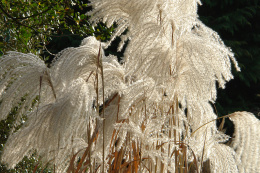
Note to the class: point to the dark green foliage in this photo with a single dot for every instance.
(32, 28)
(237, 23)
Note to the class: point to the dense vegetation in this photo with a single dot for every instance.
(47, 27)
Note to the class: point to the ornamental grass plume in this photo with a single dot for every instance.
(150, 113)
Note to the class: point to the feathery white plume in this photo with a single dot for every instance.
(61, 123)
(246, 141)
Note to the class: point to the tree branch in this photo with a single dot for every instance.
(14, 19)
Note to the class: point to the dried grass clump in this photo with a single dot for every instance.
(152, 113)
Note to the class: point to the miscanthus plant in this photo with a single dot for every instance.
(152, 112)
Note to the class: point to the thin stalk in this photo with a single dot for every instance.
(94, 136)
(130, 155)
(103, 98)
(72, 151)
(175, 142)
(162, 164)
(140, 155)
(181, 158)
(162, 151)
(118, 108)
(185, 159)
(97, 97)
(39, 95)
(89, 154)
(203, 150)
(210, 122)
(170, 137)
(103, 116)
(181, 164)
(156, 162)
(35, 168)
